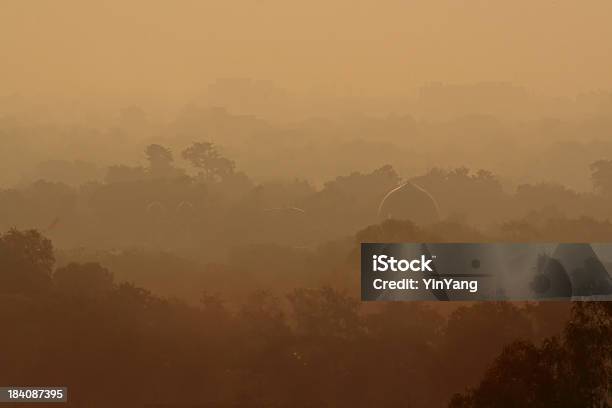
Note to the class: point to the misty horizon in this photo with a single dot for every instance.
(186, 189)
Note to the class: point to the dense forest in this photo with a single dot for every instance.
(183, 281)
(115, 343)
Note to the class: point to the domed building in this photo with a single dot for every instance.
(409, 202)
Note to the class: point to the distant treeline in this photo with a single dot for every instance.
(210, 202)
(555, 148)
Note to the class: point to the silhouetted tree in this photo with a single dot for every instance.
(161, 161)
(26, 262)
(205, 157)
(83, 280)
(571, 371)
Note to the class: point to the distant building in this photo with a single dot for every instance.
(409, 202)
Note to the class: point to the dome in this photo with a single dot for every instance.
(409, 202)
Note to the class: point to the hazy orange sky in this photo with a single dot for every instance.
(376, 46)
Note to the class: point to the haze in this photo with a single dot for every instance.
(185, 185)
(118, 48)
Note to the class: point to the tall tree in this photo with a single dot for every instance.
(26, 262)
(160, 161)
(205, 157)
